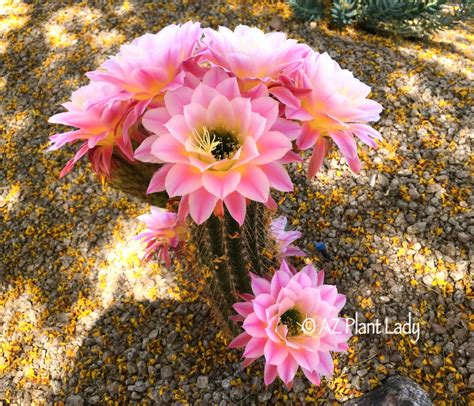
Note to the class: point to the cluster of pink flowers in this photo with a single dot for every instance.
(222, 112)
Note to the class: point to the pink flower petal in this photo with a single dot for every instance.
(261, 303)
(220, 112)
(272, 146)
(178, 128)
(201, 205)
(256, 127)
(328, 293)
(287, 370)
(236, 204)
(59, 140)
(203, 95)
(270, 373)
(290, 157)
(176, 99)
(153, 120)
(285, 96)
(275, 353)
(346, 143)
(354, 164)
(367, 129)
(248, 361)
(246, 153)
(182, 180)
(291, 129)
(254, 326)
(271, 204)
(243, 110)
(183, 209)
(304, 358)
(195, 116)
(267, 108)
(308, 137)
(306, 298)
(157, 182)
(326, 365)
(144, 151)
(254, 348)
(220, 184)
(229, 88)
(254, 184)
(169, 149)
(307, 277)
(279, 280)
(240, 341)
(298, 114)
(214, 77)
(339, 302)
(149, 77)
(69, 165)
(278, 176)
(319, 152)
(284, 265)
(243, 308)
(259, 285)
(312, 376)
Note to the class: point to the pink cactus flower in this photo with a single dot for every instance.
(164, 231)
(337, 108)
(285, 238)
(152, 63)
(292, 321)
(218, 147)
(103, 115)
(249, 53)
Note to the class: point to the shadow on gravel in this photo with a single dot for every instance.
(148, 350)
(164, 352)
(55, 227)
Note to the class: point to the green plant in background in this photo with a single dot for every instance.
(406, 18)
(309, 10)
(344, 12)
(412, 18)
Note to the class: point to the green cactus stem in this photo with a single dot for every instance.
(133, 178)
(230, 252)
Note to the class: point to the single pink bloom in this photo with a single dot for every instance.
(152, 63)
(104, 116)
(249, 53)
(164, 231)
(285, 238)
(337, 108)
(292, 321)
(218, 147)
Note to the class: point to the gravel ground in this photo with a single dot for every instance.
(83, 322)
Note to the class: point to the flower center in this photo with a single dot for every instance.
(292, 319)
(221, 144)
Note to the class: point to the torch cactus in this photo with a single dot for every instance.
(206, 121)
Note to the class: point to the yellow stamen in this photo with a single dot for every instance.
(204, 142)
